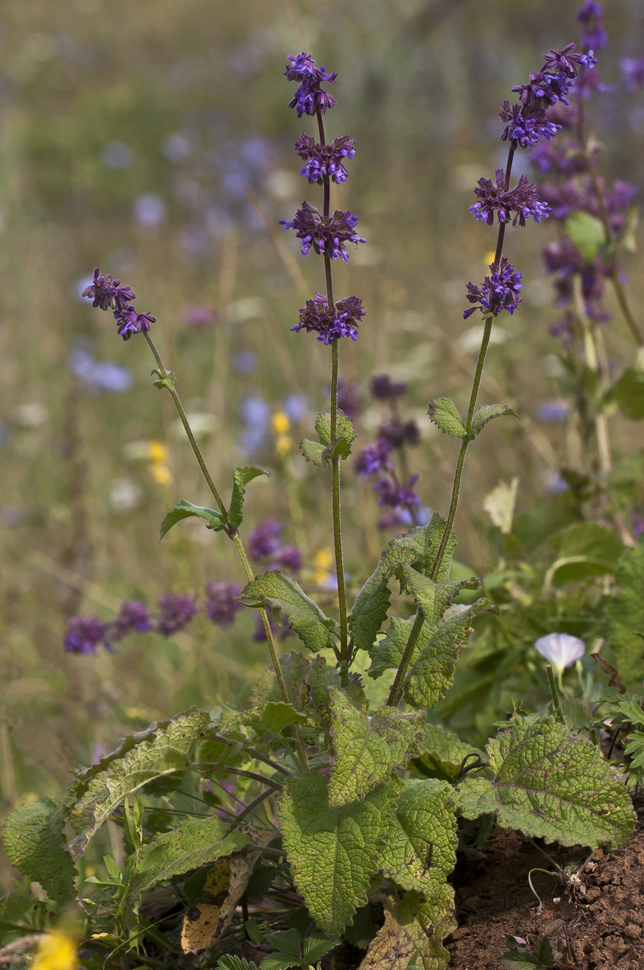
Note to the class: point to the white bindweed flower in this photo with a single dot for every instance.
(560, 649)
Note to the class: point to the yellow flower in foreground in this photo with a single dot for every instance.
(322, 562)
(280, 423)
(56, 951)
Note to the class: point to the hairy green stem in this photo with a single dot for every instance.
(335, 461)
(184, 420)
(556, 701)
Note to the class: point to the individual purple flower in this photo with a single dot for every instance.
(526, 128)
(131, 322)
(399, 433)
(175, 612)
(632, 73)
(497, 197)
(84, 634)
(565, 62)
(289, 557)
(500, 291)
(107, 292)
(133, 616)
(384, 389)
(325, 161)
(349, 398)
(326, 234)
(341, 321)
(396, 495)
(543, 89)
(222, 603)
(309, 98)
(375, 458)
(264, 541)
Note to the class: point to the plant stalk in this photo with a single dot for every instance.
(556, 701)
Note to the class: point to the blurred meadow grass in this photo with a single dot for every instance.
(153, 140)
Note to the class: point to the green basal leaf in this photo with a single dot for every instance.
(422, 840)
(344, 428)
(304, 615)
(313, 451)
(241, 478)
(36, 846)
(416, 927)
(629, 394)
(443, 412)
(185, 510)
(550, 784)
(367, 748)
(418, 546)
(626, 615)
(161, 751)
(231, 962)
(441, 753)
(584, 549)
(519, 958)
(587, 233)
(192, 843)
(487, 413)
(333, 852)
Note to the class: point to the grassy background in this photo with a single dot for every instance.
(195, 93)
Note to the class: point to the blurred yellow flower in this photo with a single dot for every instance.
(322, 562)
(283, 444)
(56, 951)
(158, 454)
(280, 423)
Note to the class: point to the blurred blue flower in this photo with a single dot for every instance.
(149, 210)
(245, 362)
(256, 415)
(176, 147)
(256, 152)
(98, 376)
(192, 238)
(296, 406)
(555, 484)
(552, 410)
(117, 154)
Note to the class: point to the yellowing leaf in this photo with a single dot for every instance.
(199, 927)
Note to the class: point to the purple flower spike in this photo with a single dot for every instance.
(264, 541)
(222, 603)
(131, 322)
(398, 496)
(500, 291)
(324, 234)
(84, 634)
(384, 389)
(522, 200)
(399, 433)
(175, 612)
(526, 129)
(565, 62)
(632, 73)
(375, 458)
(325, 161)
(341, 321)
(107, 292)
(289, 557)
(309, 98)
(133, 616)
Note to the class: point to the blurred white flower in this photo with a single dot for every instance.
(560, 649)
(125, 495)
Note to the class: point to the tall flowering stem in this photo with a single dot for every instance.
(527, 124)
(326, 234)
(108, 293)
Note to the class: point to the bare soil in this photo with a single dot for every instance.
(597, 916)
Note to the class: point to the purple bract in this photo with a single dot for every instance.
(309, 98)
(341, 321)
(326, 234)
(325, 160)
(495, 197)
(500, 291)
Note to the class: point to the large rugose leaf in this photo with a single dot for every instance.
(421, 843)
(413, 925)
(161, 750)
(550, 784)
(367, 748)
(333, 852)
(36, 846)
